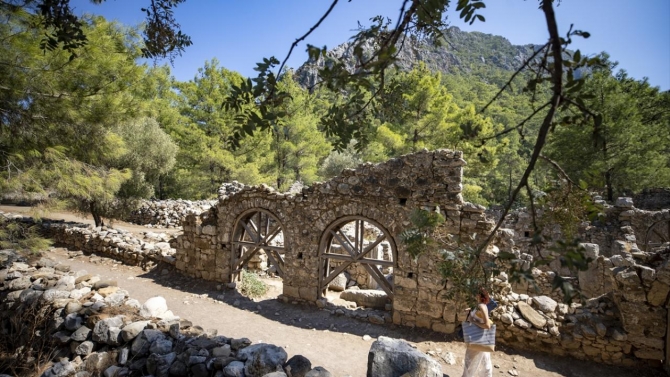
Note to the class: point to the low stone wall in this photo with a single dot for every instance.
(113, 243)
(626, 322)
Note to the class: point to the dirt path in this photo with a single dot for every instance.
(336, 343)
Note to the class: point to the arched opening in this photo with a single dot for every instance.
(258, 244)
(657, 235)
(356, 252)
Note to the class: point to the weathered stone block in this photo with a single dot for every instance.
(658, 293)
(532, 316)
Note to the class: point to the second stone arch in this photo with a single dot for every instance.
(362, 250)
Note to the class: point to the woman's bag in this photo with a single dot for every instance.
(478, 338)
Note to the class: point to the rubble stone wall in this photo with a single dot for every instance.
(384, 193)
(113, 243)
(92, 328)
(622, 320)
(167, 213)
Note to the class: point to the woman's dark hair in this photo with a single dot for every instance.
(484, 297)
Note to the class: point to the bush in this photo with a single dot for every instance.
(251, 285)
(21, 236)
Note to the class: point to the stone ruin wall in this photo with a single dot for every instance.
(385, 193)
(624, 316)
(623, 319)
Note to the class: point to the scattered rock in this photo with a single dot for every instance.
(394, 357)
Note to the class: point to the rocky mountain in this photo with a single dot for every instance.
(464, 52)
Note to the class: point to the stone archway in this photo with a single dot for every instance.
(361, 248)
(657, 234)
(257, 230)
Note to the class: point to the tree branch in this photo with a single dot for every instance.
(560, 171)
(295, 43)
(508, 130)
(557, 80)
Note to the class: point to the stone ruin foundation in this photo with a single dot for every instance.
(343, 234)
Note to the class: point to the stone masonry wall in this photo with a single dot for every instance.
(385, 193)
(622, 319)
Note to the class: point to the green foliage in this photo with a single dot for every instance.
(251, 286)
(22, 237)
(627, 151)
(333, 165)
(464, 273)
(61, 28)
(421, 237)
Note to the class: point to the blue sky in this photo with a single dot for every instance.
(239, 33)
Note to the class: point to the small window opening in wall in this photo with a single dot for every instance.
(527, 234)
(299, 255)
(403, 201)
(410, 275)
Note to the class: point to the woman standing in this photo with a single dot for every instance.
(478, 363)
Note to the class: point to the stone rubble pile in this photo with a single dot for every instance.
(167, 213)
(97, 329)
(624, 324)
(228, 189)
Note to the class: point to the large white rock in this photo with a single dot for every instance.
(394, 358)
(154, 307)
(370, 298)
(545, 303)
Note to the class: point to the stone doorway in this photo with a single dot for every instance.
(658, 234)
(258, 244)
(356, 252)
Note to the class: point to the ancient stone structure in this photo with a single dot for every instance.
(624, 323)
(346, 232)
(311, 224)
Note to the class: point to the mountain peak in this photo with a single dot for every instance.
(461, 51)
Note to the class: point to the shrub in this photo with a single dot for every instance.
(251, 285)
(21, 236)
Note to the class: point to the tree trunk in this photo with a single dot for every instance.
(96, 215)
(608, 184)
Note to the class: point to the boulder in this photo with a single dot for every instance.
(261, 359)
(624, 202)
(81, 334)
(396, 358)
(532, 316)
(298, 366)
(102, 333)
(154, 307)
(338, 284)
(159, 365)
(370, 298)
(234, 369)
(545, 303)
(85, 348)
